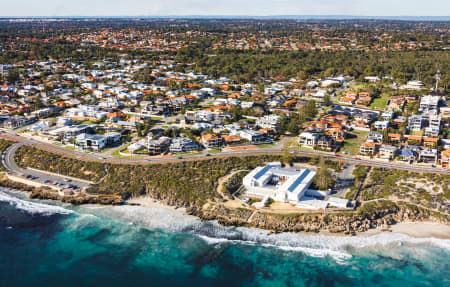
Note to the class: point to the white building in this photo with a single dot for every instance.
(308, 139)
(381, 125)
(281, 184)
(429, 103)
(268, 121)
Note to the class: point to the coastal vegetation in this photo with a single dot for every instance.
(4, 144)
(192, 184)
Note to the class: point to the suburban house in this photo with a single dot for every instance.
(268, 121)
(381, 125)
(428, 155)
(252, 135)
(17, 122)
(388, 152)
(90, 142)
(211, 140)
(407, 154)
(415, 123)
(364, 99)
(182, 145)
(429, 103)
(308, 139)
(369, 148)
(158, 146)
(445, 159)
(326, 143)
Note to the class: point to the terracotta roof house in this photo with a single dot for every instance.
(369, 148)
(445, 159)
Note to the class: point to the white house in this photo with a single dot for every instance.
(308, 139)
(381, 125)
(281, 184)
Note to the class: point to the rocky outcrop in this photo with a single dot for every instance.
(48, 193)
(379, 215)
(376, 214)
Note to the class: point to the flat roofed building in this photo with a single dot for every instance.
(158, 146)
(281, 184)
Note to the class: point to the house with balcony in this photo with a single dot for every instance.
(180, 144)
(369, 148)
(407, 154)
(415, 123)
(307, 139)
(211, 140)
(381, 125)
(388, 152)
(428, 156)
(445, 159)
(158, 146)
(326, 142)
(90, 142)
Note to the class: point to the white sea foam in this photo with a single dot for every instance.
(337, 247)
(32, 207)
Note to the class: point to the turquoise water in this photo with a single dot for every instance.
(43, 244)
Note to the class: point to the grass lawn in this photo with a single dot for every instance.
(266, 145)
(381, 102)
(214, 150)
(352, 144)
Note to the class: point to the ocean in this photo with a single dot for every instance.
(45, 243)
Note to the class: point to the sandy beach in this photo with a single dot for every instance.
(148, 202)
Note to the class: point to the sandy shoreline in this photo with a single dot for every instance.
(412, 229)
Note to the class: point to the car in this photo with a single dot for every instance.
(208, 154)
(357, 158)
(67, 180)
(245, 199)
(47, 181)
(180, 157)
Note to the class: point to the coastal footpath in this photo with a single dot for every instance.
(193, 185)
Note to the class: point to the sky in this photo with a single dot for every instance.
(224, 7)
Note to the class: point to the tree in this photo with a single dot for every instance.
(323, 178)
(13, 76)
(301, 76)
(327, 100)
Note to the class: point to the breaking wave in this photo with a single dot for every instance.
(33, 208)
(338, 247)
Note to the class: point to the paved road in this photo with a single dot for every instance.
(277, 149)
(42, 177)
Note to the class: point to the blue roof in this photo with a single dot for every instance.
(299, 180)
(262, 171)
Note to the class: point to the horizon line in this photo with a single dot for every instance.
(229, 16)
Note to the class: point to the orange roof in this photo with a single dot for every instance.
(289, 102)
(347, 99)
(391, 135)
(445, 153)
(413, 137)
(428, 139)
(370, 144)
(210, 137)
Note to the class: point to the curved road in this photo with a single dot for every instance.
(36, 175)
(274, 150)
